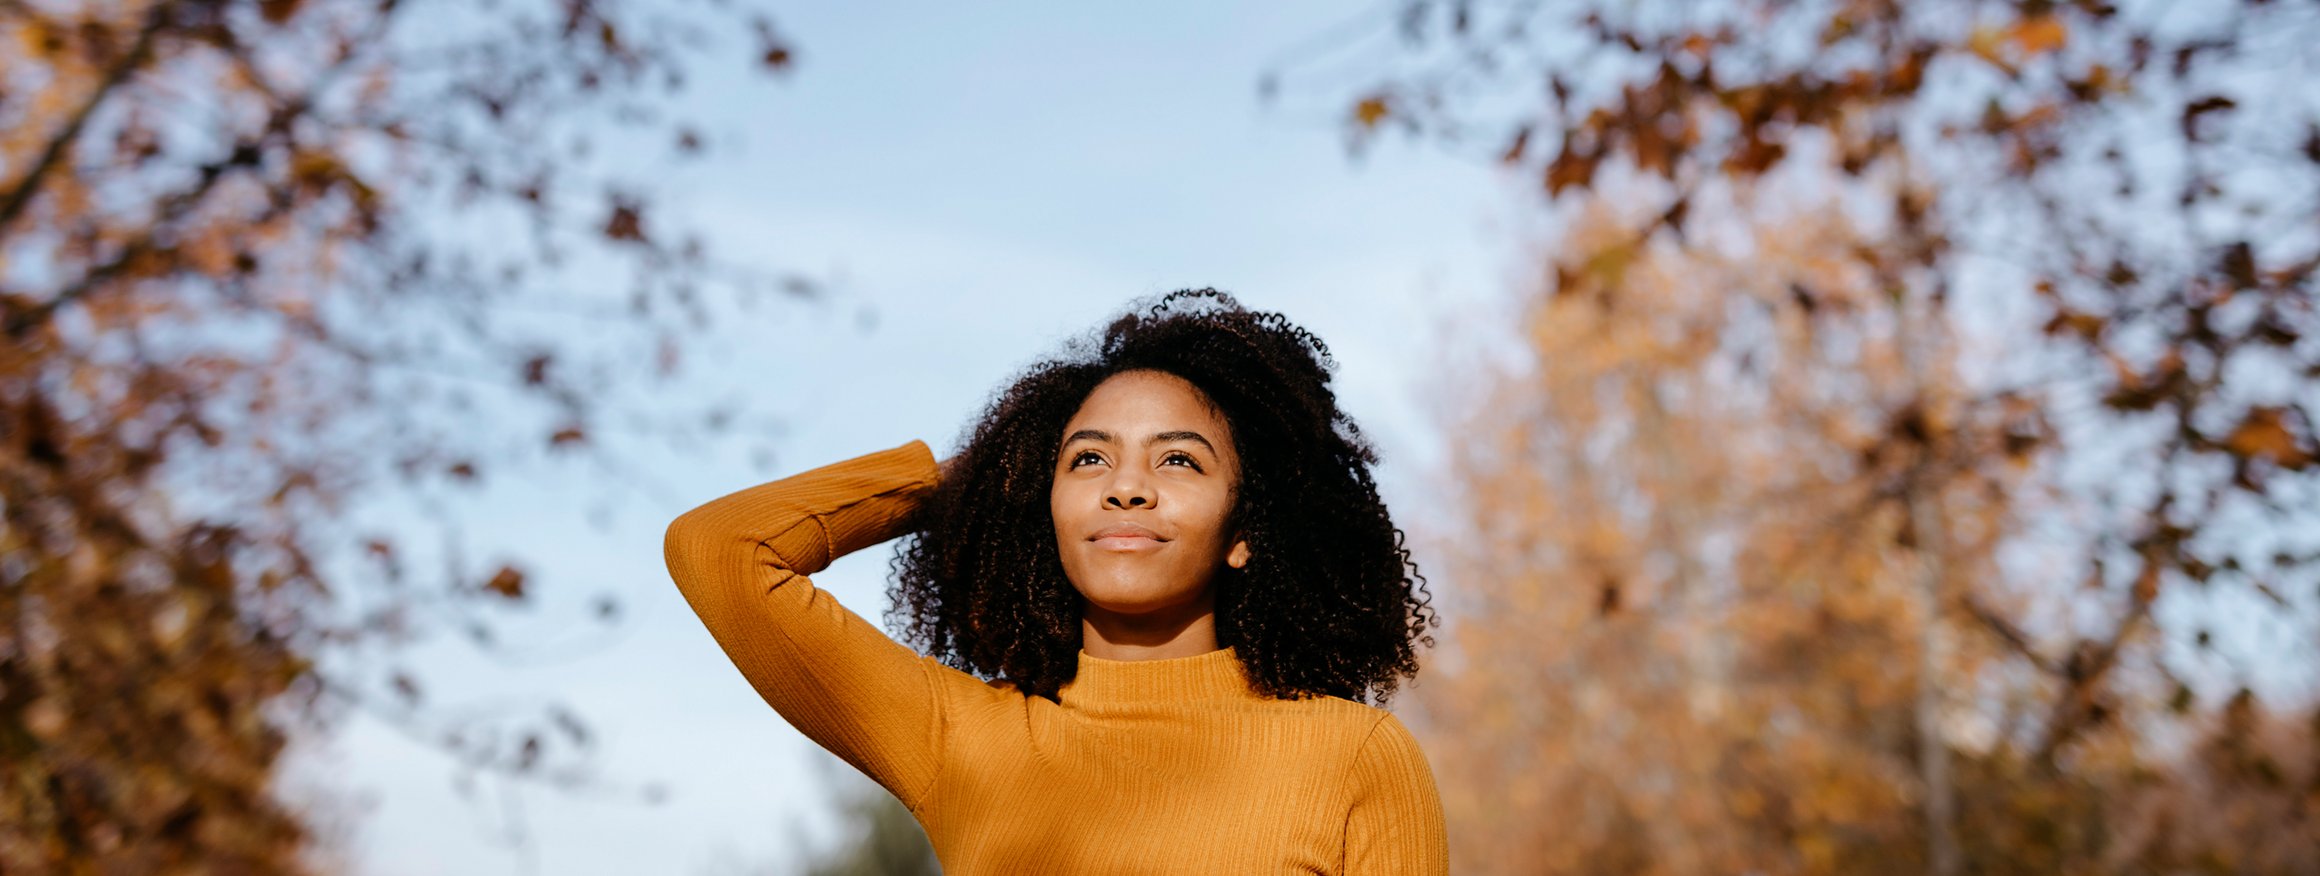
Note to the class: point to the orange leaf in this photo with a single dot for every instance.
(2265, 434)
(2044, 33)
(508, 582)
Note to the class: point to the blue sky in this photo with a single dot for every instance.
(981, 184)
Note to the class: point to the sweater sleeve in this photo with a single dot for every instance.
(742, 562)
(1396, 824)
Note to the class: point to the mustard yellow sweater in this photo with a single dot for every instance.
(1147, 766)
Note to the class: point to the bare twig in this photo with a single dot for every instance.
(20, 193)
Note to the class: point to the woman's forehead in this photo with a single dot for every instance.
(1144, 405)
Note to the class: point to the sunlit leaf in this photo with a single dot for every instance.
(2039, 34)
(2264, 433)
(507, 582)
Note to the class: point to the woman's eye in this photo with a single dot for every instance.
(1186, 457)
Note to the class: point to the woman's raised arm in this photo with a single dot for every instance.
(741, 561)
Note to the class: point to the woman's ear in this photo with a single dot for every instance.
(1238, 557)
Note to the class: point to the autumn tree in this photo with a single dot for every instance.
(2118, 198)
(260, 259)
(1688, 644)
(1693, 529)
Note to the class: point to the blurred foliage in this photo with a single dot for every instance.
(877, 835)
(1908, 463)
(260, 259)
(881, 837)
(1697, 631)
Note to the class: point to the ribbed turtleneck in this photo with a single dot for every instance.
(1138, 766)
(1103, 683)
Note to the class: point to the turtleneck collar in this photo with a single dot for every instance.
(1101, 682)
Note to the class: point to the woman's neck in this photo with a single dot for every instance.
(1184, 631)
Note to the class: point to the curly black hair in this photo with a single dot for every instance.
(1323, 607)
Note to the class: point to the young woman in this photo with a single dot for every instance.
(1148, 603)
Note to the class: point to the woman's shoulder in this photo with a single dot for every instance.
(1354, 739)
(1350, 721)
(1375, 733)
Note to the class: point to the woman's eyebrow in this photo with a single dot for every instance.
(1178, 435)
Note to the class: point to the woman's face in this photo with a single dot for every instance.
(1145, 451)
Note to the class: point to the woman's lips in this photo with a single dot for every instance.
(1127, 543)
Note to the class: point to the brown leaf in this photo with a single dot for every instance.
(1653, 152)
(626, 222)
(1755, 156)
(1571, 168)
(536, 369)
(2085, 325)
(2195, 110)
(1909, 73)
(278, 11)
(508, 582)
(2264, 433)
(2239, 264)
(773, 51)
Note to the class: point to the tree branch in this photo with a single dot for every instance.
(17, 322)
(19, 195)
(2011, 634)
(2087, 669)
(22, 321)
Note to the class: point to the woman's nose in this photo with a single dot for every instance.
(1128, 492)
